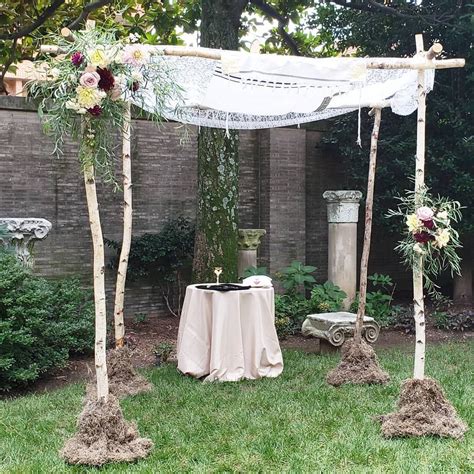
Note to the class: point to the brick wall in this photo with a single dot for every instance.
(283, 173)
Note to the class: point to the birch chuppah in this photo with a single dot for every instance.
(235, 90)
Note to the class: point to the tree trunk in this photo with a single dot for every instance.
(127, 230)
(369, 203)
(99, 283)
(418, 297)
(218, 162)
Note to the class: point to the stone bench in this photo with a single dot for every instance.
(334, 327)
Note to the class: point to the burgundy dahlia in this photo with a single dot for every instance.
(95, 111)
(106, 81)
(423, 237)
(135, 86)
(428, 224)
(77, 58)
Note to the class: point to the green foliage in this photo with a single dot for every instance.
(327, 297)
(440, 319)
(450, 128)
(379, 300)
(297, 277)
(165, 259)
(253, 271)
(140, 318)
(290, 312)
(163, 350)
(455, 321)
(41, 323)
(402, 319)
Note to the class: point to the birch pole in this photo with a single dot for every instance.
(369, 203)
(99, 283)
(418, 297)
(127, 229)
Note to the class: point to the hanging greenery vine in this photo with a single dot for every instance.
(91, 79)
(428, 232)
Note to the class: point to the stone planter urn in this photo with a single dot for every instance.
(20, 235)
(249, 240)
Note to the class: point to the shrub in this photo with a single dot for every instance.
(326, 297)
(379, 300)
(402, 319)
(297, 278)
(165, 258)
(290, 312)
(41, 323)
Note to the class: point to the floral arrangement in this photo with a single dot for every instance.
(85, 87)
(430, 241)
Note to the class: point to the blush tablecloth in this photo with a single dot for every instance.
(229, 336)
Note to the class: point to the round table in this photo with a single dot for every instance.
(229, 336)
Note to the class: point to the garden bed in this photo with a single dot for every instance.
(145, 334)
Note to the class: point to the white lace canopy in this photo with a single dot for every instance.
(249, 91)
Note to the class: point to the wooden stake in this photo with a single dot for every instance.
(99, 283)
(369, 202)
(418, 297)
(127, 230)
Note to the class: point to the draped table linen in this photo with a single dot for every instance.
(229, 336)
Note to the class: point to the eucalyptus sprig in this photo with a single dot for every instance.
(429, 234)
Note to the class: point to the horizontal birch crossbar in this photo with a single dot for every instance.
(416, 62)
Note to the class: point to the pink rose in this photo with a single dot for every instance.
(424, 213)
(89, 79)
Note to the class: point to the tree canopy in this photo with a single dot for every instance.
(450, 125)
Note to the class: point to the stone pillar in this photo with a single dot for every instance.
(249, 240)
(343, 214)
(21, 234)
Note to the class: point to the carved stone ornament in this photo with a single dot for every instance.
(334, 327)
(343, 206)
(20, 235)
(249, 239)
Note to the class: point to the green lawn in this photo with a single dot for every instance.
(295, 423)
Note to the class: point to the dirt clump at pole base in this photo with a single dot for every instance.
(124, 380)
(359, 365)
(104, 436)
(423, 410)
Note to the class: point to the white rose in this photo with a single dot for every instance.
(81, 110)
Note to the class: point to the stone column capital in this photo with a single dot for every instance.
(343, 206)
(249, 239)
(21, 233)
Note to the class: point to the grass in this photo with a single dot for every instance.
(295, 423)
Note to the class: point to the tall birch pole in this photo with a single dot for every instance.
(99, 283)
(418, 297)
(369, 203)
(127, 229)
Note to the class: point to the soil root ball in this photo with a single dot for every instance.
(104, 436)
(359, 365)
(423, 409)
(124, 380)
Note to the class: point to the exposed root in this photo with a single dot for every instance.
(423, 409)
(359, 365)
(104, 436)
